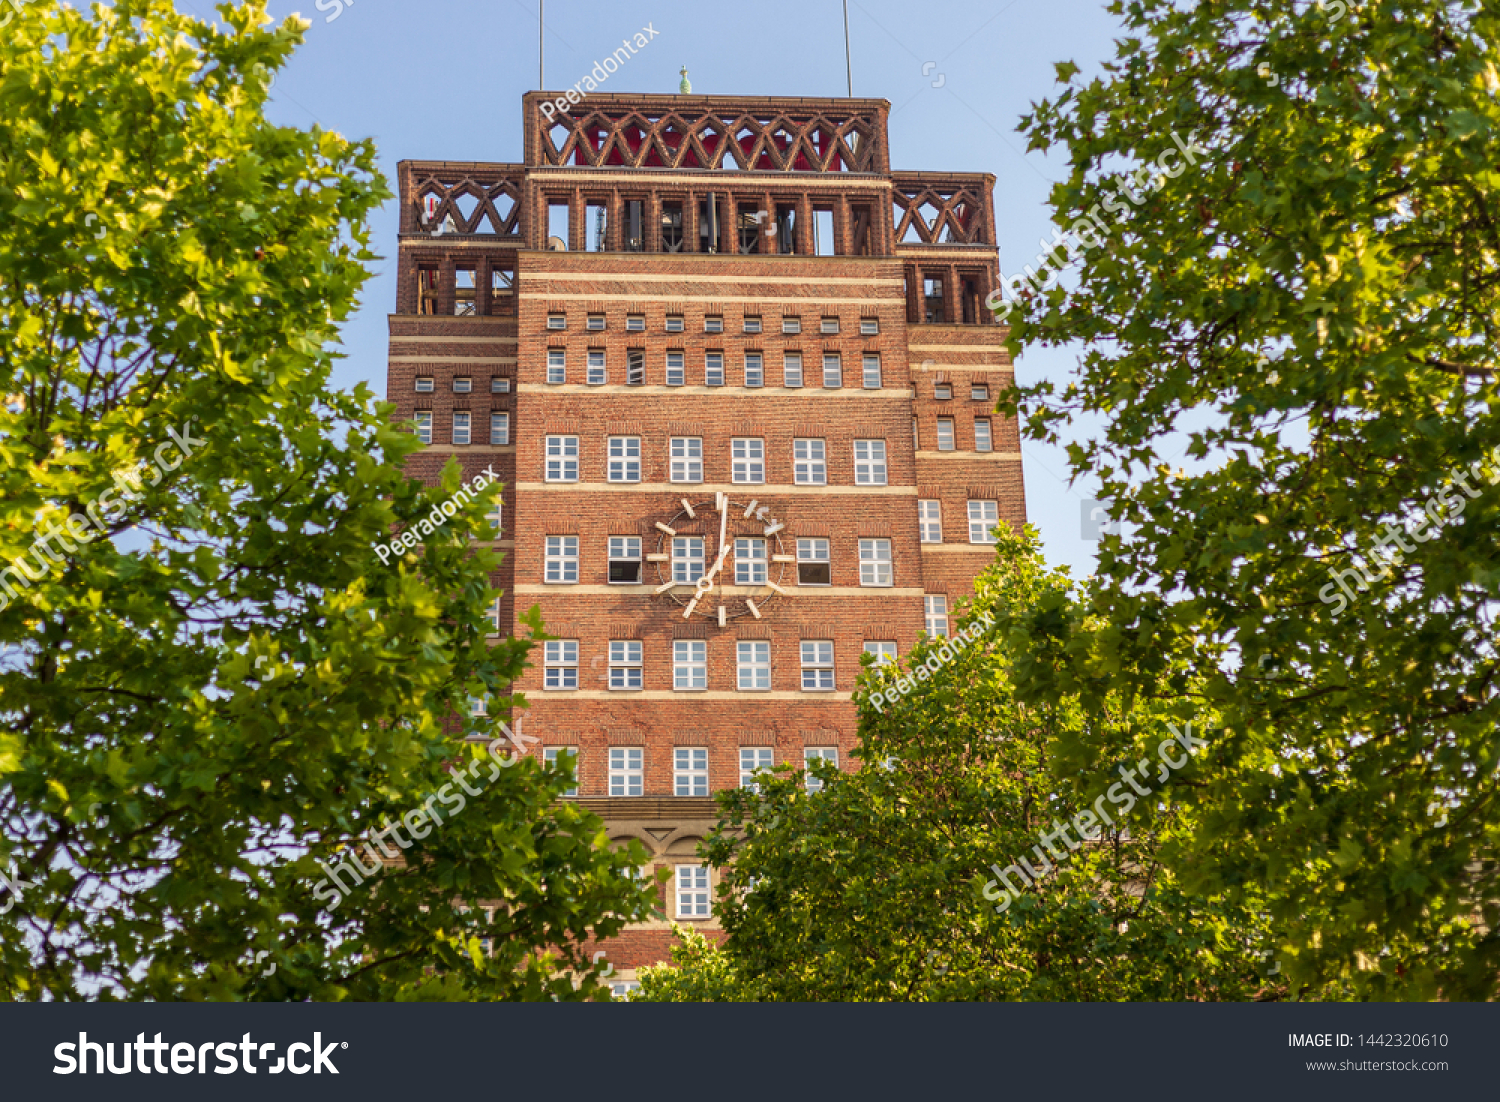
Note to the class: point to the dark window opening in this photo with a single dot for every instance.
(708, 224)
(932, 298)
(752, 227)
(786, 230)
(635, 225)
(969, 290)
(427, 290)
(671, 227)
(814, 573)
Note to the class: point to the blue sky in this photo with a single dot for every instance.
(443, 80)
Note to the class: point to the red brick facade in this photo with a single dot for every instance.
(685, 237)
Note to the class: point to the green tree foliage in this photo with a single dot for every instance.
(879, 887)
(213, 681)
(1313, 305)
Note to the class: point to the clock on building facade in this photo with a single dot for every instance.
(722, 559)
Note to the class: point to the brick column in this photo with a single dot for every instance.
(804, 225)
(690, 222)
(577, 212)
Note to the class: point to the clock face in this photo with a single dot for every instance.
(721, 559)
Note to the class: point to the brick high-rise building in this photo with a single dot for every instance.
(739, 381)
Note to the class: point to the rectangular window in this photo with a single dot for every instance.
(594, 323)
(624, 664)
(690, 771)
(596, 375)
(499, 384)
(560, 664)
(932, 296)
(463, 385)
(687, 559)
(869, 463)
(424, 384)
(791, 369)
(713, 369)
(557, 365)
(942, 391)
(884, 652)
(460, 428)
(811, 754)
(687, 459)
(813, 566)
(424, 426)
(635, 323)
(674, 323)
(624, 560)
(875, 563)
(499, 429)
(983, 515)
(809, 463)
(752, 325)
(750, 562)
(496, 518)
(982, 441)
(979, 392)
(692, 891)
(562, 459)
(689, 664)
(755, 374)
(748, 457)
(829, 325)
(627, 777)
(676, 372)
(635, 367)
(869, 327)
(753, 760)
(833, 370)
(557, 321)
(930, 521)
(872, 371)
(945, 434)
(817, 665)
(624, 459)
(562, 560)
(754, 664)
(791, 325)
(563, 757)
(935, 615)
(822, 227)
(713, 324)
(492, 616)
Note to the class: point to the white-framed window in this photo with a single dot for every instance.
(755, 372)
(559, 757)
(674, 323)
(752, 324)
(748, 456)
(713, 323)
(687, 458)
(817, 665)
(979, 392)
(560, 664)
(627, 775)
(869, 327)
(624, 560)
(869, 463)
(499, 429)
(833, 370)
(625, 664)
(872, 371)
(935, 615)
(562, 560)
(594, 323)
(754, 664)
(791, 324)
(945, 434)
(982, 439)
(942, 391)
(496, 518)
(811, 754)
(460, 428)
(596, 374)
(690, 771)
(809, 463)
(689, 664)
(828, 325)
(478, 706)
(753, 760)
(635, 367)
(624, 458)
(791, 369)
(557, 321)
(562, 459)
(983, 515)
(713, 369)
(492, 616)
(499, 384)
(424, 384)
(635, 323)
(623, 990)
(423, 419)
(751, 563)
(883, 650)
(687, 559)
(557, 365)
(813, 566)
(463, 384)
(875, 563)
(930, 521)
(676, 371)
(692, 891)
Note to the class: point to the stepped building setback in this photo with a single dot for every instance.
(737, 377)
